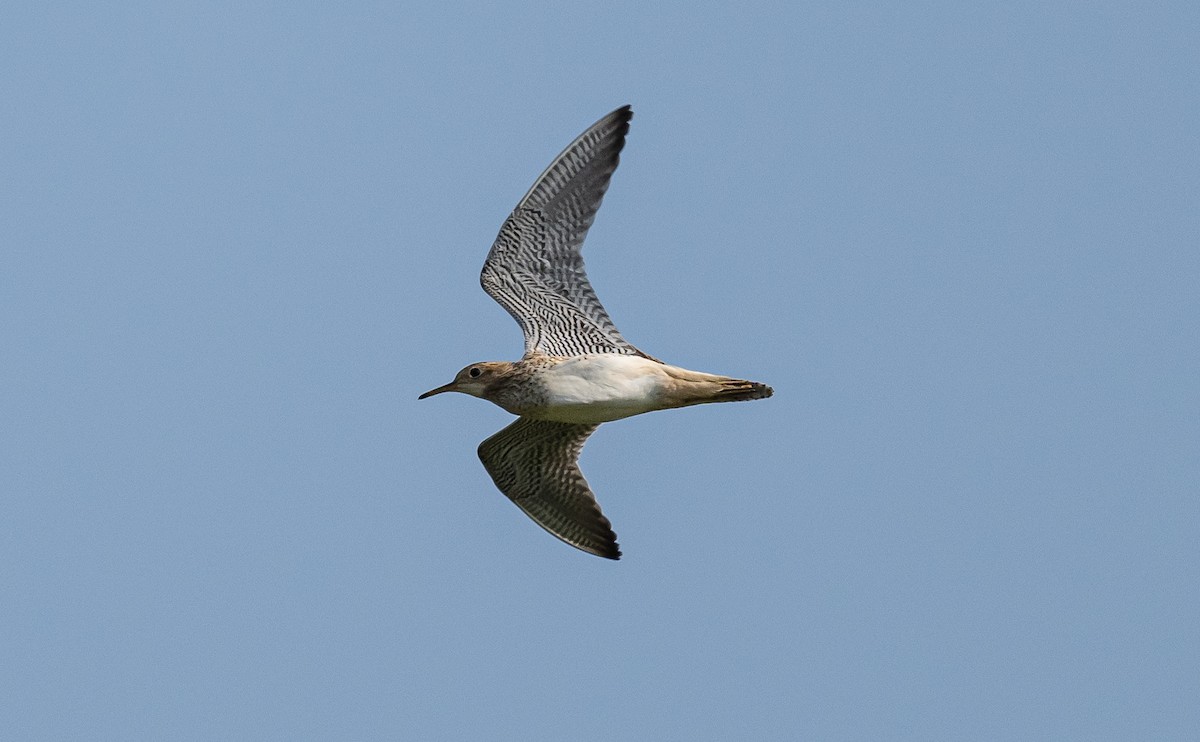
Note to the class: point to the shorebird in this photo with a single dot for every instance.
(577, 371)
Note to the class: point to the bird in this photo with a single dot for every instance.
(578, 371)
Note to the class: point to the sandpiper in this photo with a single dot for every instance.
(577, 371)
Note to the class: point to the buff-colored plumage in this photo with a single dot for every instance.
(577, 371)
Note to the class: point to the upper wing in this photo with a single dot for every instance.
(535, 269)
(535, 463)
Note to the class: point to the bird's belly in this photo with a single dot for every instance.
(597, 389)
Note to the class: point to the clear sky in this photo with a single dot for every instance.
(962, 244)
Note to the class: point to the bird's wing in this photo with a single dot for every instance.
(535, 463)
(535, 267)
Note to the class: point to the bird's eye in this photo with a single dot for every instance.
(475, 372)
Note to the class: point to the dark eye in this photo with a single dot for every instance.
(475, 372)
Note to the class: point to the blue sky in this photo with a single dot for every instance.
(961, 243)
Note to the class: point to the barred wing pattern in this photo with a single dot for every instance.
(535, 463)
(535, 268)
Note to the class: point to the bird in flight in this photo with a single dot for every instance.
(577, 371)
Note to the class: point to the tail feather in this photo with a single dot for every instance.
(739, 390)
(695, 387)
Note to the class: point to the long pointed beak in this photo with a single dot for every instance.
(446, 388)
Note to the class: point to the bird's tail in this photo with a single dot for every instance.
(739, 390)
(695, 387)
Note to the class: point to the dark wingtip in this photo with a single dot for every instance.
(624, 114)
(605, 547)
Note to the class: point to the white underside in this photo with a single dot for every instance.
(602, 387)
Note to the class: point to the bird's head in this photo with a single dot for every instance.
(475, 379)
